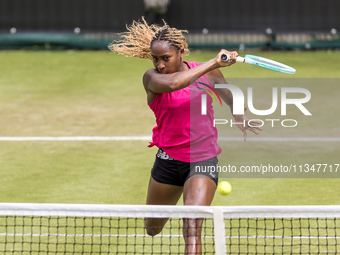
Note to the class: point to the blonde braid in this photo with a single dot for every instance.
(137, 40)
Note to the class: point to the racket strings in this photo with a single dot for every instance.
(272, 64)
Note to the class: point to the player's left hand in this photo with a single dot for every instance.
(244, 124)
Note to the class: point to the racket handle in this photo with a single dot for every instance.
(240, 59)
(225, 58)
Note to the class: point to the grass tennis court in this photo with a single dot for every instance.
(96, 93)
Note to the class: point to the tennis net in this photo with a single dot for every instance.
(119, 229)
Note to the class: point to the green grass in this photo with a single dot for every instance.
(75, 172)
(96, 93)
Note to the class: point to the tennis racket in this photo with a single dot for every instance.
(262, 62)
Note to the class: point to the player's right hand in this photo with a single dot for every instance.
(232, 58)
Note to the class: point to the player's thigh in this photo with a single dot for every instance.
(160, 194)
(199, 190)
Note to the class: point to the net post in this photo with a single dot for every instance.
(219, 231)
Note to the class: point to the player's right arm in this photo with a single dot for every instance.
(156, 82)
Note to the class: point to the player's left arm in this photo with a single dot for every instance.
(242, 122)
(216, 77)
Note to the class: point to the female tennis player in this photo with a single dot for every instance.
(187, 140)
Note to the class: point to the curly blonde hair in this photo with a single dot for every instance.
(139, 37)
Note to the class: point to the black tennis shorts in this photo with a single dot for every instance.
(171, 171)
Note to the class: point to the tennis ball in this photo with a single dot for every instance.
(224, 188)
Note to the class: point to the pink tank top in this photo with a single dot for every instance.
(182, 131)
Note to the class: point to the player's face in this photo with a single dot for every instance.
(165, 57)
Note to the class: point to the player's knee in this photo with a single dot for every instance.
(153, 227)
(153, 230)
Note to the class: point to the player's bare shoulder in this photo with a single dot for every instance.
(147, 77)
(146, 81)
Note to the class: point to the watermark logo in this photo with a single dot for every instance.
(238, 100)
(238, 104)
(204, 97)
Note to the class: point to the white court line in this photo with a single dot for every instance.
(148, 138)
(77, 138)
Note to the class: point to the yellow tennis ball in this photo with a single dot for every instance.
(224, 188)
